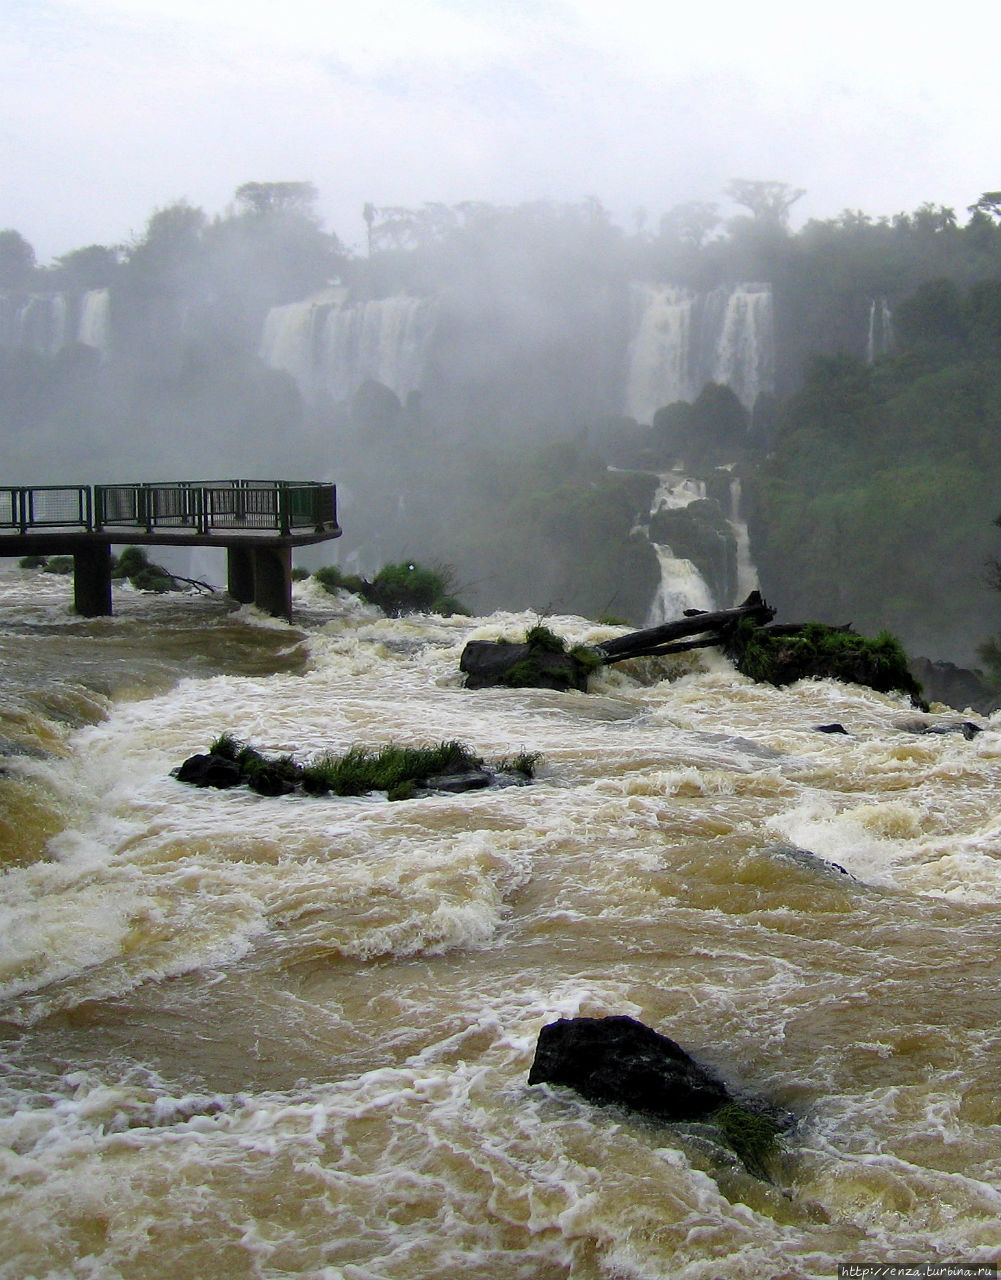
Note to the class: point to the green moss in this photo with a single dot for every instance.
(331, 579)
(542, 640)
(132, 560)
(398, 588)
(59, 564)
(752, 1135)
(816, 651)
(590, 659)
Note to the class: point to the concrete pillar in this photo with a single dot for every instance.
(273, 581)
(240, 574)
(92, 580)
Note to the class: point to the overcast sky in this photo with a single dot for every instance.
(110, 109)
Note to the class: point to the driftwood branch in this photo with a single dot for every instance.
(654, 641)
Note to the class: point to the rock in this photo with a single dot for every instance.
(487, 663)
(456, 783)
(813, 861)
(967, 728)
(209, 771)
(957, 687)
(831, 728)
(619, 1060)
(270, 782)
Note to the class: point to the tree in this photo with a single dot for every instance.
(278, 197)
(691, 223)
(93, 267)
(769, 202)
(989, 203)
(17, 260)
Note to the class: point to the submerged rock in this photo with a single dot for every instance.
(209, 771)
(812, 861)
(620, 1060)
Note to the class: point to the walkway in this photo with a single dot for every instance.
(258, 522)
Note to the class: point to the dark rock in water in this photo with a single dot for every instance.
(957, 687)
(831, 728)
(619, 1060)
(486, 663)
(457, 783)
(967, 728)
(209, 771)
(807, 859)
(270, 782)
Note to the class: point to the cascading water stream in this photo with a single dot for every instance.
(332, 344)
(681, 584)
(681, 340)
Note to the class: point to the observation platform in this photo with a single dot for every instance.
(258, 522)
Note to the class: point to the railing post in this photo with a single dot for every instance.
(99, 507)
(284, 515)
(87, 507)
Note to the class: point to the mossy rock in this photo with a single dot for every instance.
(815, 651)
(59, 564)
(543, 661)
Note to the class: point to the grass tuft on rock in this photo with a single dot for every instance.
(753, 1135)
(390, 769)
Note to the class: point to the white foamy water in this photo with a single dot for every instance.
(250, 1037)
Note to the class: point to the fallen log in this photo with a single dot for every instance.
(544, 661)
(653, 641)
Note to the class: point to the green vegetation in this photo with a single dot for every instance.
(399, 588)
(782, 655)
(397, 770)
(753, 1135)
(545, 661)
(32, 562)
(144, 575)
(392, 769)
(876, 502)
(58, 564)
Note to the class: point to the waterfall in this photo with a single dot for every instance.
(725, 573)
(879, 339)
(47, 322)
(660, 351)
(330, 344)
(744, 356)
(94, 327)
(681, 340)
(747, 572)
(681, 584)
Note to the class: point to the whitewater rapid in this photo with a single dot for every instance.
(249, 1037)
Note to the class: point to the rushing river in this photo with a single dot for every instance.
(249, 1037)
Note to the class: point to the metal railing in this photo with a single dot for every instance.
(56, 506)
(197, 507)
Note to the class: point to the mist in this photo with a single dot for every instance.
(508, 390)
